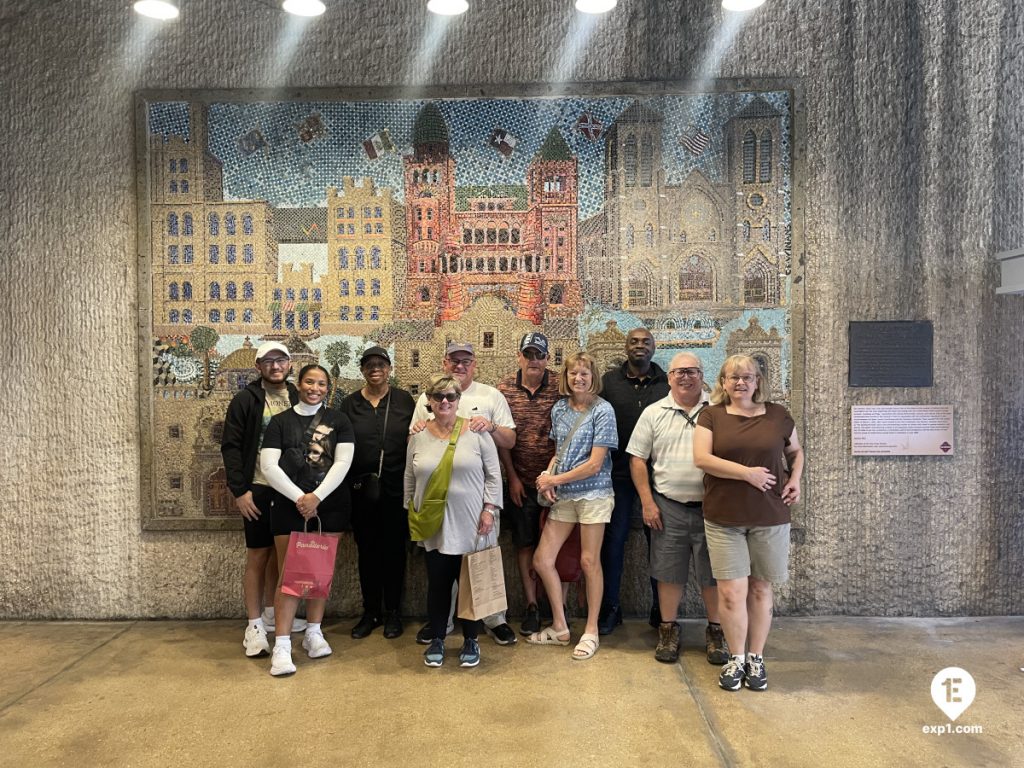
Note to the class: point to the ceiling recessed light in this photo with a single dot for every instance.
(447, 7)
(304, 7)
(157, 9)
(742, 5)
(595, 6)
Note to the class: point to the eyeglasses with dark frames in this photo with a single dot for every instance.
(686, 373)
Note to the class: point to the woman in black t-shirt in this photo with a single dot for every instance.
(306, 453)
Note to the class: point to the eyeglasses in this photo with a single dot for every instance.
(460, 362)
(533, 354)
(278, 362)
(746, 378)
(686, 373)
(437, 397)
(374, 366)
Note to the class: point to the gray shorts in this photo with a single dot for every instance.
(759, 551)
(681, 540)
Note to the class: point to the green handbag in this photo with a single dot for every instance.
(426, 521)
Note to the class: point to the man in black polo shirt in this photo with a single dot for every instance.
(629, 389)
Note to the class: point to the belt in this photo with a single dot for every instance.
(692, 504)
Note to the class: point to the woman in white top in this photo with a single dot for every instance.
(471, 508)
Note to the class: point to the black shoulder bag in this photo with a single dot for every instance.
(368, 485)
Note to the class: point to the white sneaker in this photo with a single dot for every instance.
(255, 641)
(281, 662)
(316, 645)
(298, 625)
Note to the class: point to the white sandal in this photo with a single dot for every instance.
(586, 647)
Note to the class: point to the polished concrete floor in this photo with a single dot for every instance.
(842, 692)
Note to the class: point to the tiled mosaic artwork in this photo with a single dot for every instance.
(335, 224)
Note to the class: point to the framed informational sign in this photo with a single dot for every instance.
(902, 430)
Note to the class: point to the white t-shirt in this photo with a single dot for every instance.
(477, 400)
(664, 434)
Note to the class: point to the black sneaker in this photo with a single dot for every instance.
(756, 676)
(503, 634)
(609, 620)
(732, 675)
(434, 655)
(393, 626)
(717, 648)
(365, 626)
(469, 656)
(531, 623)
(426, 635)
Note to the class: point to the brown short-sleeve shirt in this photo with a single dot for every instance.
(753, 441)
(532, 414)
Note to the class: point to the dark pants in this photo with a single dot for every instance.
(613, 548)
(381, 530)
(442, 572)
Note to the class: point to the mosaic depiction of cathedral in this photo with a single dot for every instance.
(329, 225)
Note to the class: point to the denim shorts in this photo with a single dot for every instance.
(758, 551)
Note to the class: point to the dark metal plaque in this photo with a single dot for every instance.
(891, 354)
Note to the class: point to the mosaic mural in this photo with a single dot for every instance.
(329, 225)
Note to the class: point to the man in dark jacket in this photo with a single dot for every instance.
(629, 389)
(248, 415)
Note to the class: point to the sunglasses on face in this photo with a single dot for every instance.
(437, 397)
(533, 354)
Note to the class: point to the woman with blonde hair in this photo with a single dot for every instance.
(449, 464)
(578, 484)
(752, 462)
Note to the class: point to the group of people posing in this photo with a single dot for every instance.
(713, 473)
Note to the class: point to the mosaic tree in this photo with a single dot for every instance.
(203, 339)
(337, 354)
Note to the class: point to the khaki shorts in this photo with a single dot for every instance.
(759, 551)
(584, 511)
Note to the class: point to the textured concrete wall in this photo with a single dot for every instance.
(914, 159)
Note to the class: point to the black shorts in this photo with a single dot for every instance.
(258, 532)
(524, 521)
(334, 518)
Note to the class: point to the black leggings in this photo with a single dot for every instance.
(381, 530)
(442, 572)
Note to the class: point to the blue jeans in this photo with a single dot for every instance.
(613, 548)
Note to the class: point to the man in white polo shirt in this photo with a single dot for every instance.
(672, 509)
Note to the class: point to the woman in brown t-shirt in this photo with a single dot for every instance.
(747, 448)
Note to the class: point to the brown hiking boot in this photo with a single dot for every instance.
(668, 642)
(718, 649)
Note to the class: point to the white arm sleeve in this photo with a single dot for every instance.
(343, 453)
(279, 481)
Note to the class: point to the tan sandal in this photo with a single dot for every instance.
(548, 636)
(586, 647)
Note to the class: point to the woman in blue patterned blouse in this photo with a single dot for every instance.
(578, 484)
